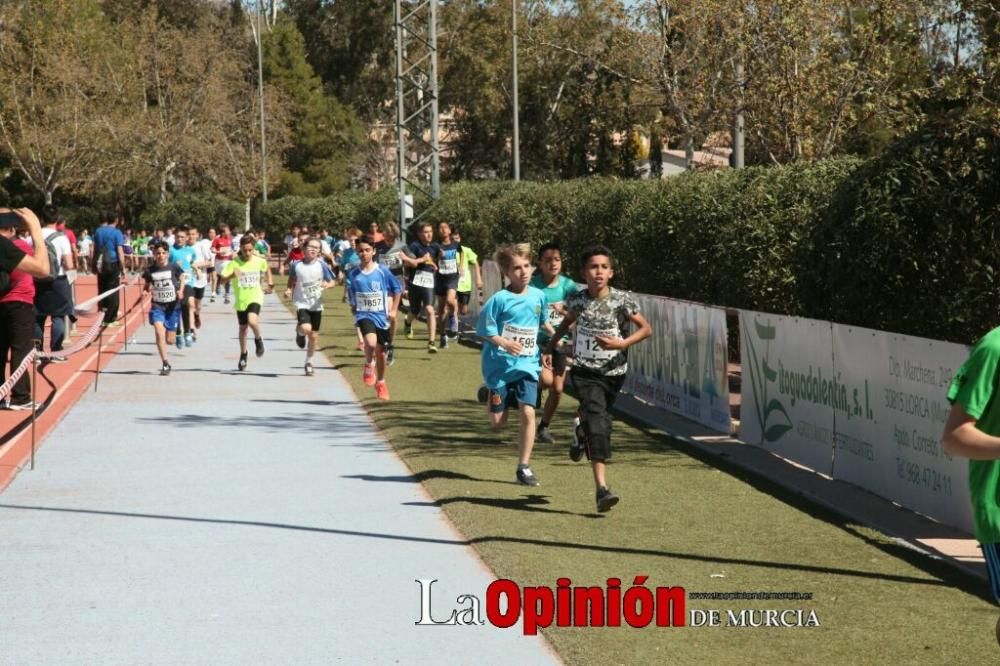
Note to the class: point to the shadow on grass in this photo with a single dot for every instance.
(533, 503)
(978, 589)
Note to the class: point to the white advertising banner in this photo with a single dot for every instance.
(682, 367)
(890, 441)
(789, 390)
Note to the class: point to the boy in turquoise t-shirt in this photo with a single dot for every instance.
(508, 325)
(973, 431)
(556, 287)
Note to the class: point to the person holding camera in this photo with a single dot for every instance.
(17, 295)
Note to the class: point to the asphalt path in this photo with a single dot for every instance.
(224, 517)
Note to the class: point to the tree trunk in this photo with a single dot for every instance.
(689, 152)
(246, 215)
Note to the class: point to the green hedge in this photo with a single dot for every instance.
(910, 241)
(197, 210)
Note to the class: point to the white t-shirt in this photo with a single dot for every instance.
(84, 245)
(203, 253)
(60, 243)
(309, 278)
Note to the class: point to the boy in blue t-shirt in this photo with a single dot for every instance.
(556, 288)
(508, 325)
(185, 256)
(374, 294)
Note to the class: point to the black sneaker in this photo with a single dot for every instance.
(606, 499)
(259, 346)
(527, 478)
(300, 340)
(444, 342)
(483, 394)
(579, 445)
(242, 365)
(165, 370)
(389, 355)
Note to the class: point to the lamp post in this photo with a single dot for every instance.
(517, 134)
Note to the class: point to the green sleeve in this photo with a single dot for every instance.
(975, 382)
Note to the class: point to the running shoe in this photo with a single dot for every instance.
(242, 365)
(165, 370)
(197, 320)
(390, 355)
(58, 359)
(189, 339)
(309, 369)
(526, 477)
(368, 376)
(226, 300)
(408, 329)
(258, 344)
(606, 499)
(300, 340)
(23, 406)
(381, 391)
(483, 394)
(213, 298)
(180, 342)
(444, 342)
(544, 436)
(579, 445)
(432, 348)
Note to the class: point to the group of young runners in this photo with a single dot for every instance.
(538, 332)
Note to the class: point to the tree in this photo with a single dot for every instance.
(327, 136)
(51, 94)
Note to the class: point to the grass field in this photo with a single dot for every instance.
(682, 522)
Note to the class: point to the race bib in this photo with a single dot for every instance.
(369, 301)
(555, 317)
(424, 279)
(163, 291)
(390, 261)
(312, 290)
(586, 347)
(249, 279)
(448, 266)
(526, 335)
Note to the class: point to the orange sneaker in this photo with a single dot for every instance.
(382, 391)
(369, 374)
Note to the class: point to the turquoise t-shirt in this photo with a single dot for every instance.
(974, 388)
(555, 294)
(516, 317)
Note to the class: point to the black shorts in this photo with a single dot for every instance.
(445, 283)
(597, 394)
(209, 269)
(199, 293)
(560, 361)
(368, 326)
(311, 317)
(188, 292)
(420, 298)
(242, 315)
(464, 297)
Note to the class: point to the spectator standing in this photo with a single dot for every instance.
(53, 297)
(109, 257)
(85, 246)
(16, 303)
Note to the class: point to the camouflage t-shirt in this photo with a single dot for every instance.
(601, 317)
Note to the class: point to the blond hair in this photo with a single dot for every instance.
(506, 253)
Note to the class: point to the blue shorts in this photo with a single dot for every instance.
(170, 318)
(523, 391)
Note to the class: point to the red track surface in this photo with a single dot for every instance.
(60, 385)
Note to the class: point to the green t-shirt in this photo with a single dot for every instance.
(974, 387)
(141, 245)
(469, 259)
(554, 295)
(247, 283)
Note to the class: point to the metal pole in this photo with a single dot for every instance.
(260, 86)
(517, 132)
(100, 346)
(128, 309)
(738, 126)
(400, 117)
(435, 148)
(34, 397)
